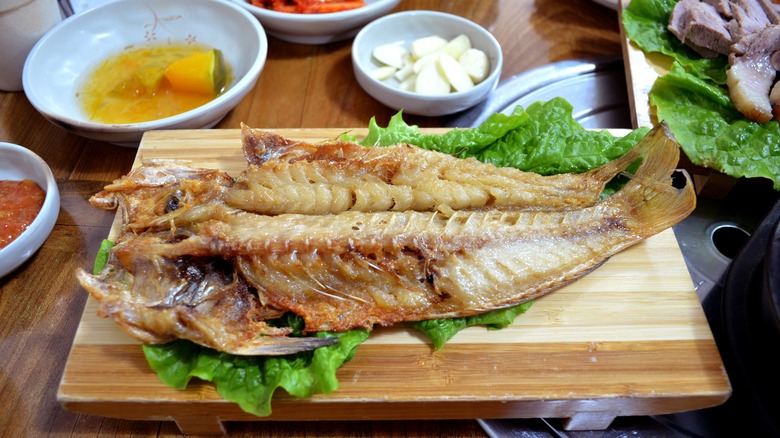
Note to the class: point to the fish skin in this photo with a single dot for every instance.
(358, 269)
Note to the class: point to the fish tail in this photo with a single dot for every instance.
(657, 195)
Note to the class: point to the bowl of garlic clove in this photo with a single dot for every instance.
(426, 63)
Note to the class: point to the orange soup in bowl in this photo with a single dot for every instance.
(154, 82)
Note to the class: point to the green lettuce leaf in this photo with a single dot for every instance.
(714, 134)
(458, 142)
(102, 256)
(545, 139)
(553, 142)
(250, 381)
(439, 331)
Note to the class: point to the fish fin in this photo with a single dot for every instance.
(260, 146)
(253, 144)
(279, 345)
(658, 200)
(660, 154)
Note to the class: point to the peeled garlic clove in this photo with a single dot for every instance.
(405, 72)
(383, 72)
(408, 84)
(391, 54)
(429, 58)
(456, 75)
(426, 45)
(430, 80)
(476, 64)
(456, 46)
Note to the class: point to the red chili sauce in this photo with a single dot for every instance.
(20, 202)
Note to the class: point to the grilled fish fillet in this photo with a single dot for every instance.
(287, 176)
(359, 269)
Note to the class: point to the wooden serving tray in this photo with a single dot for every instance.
(630, 338)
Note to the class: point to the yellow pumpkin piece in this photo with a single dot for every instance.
(201, 72)
(144, 81)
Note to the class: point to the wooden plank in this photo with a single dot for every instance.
(630, 338)
(641, 73)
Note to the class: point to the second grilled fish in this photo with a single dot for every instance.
(287, 176)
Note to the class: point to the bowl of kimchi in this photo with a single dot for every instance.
(27, 216)
(316, 22)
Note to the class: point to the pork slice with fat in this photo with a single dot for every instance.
(751, 73)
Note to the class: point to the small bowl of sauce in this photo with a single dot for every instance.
(29, 205)
(20, 203)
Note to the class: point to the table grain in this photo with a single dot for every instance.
(301, 86)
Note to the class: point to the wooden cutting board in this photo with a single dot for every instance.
(628, 339)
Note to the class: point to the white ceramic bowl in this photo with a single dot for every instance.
(319, 28)
(18, 163)
(59, 61)
(403, 28)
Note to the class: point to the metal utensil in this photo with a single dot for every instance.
(66, 8)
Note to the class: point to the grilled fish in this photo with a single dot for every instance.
(351, 269)
(287, 176)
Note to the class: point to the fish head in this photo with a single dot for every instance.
(154, 194)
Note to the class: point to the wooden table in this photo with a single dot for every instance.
(300, 87)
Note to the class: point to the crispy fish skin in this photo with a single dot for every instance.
(214, 273)
(288, 176)
(357, 269)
